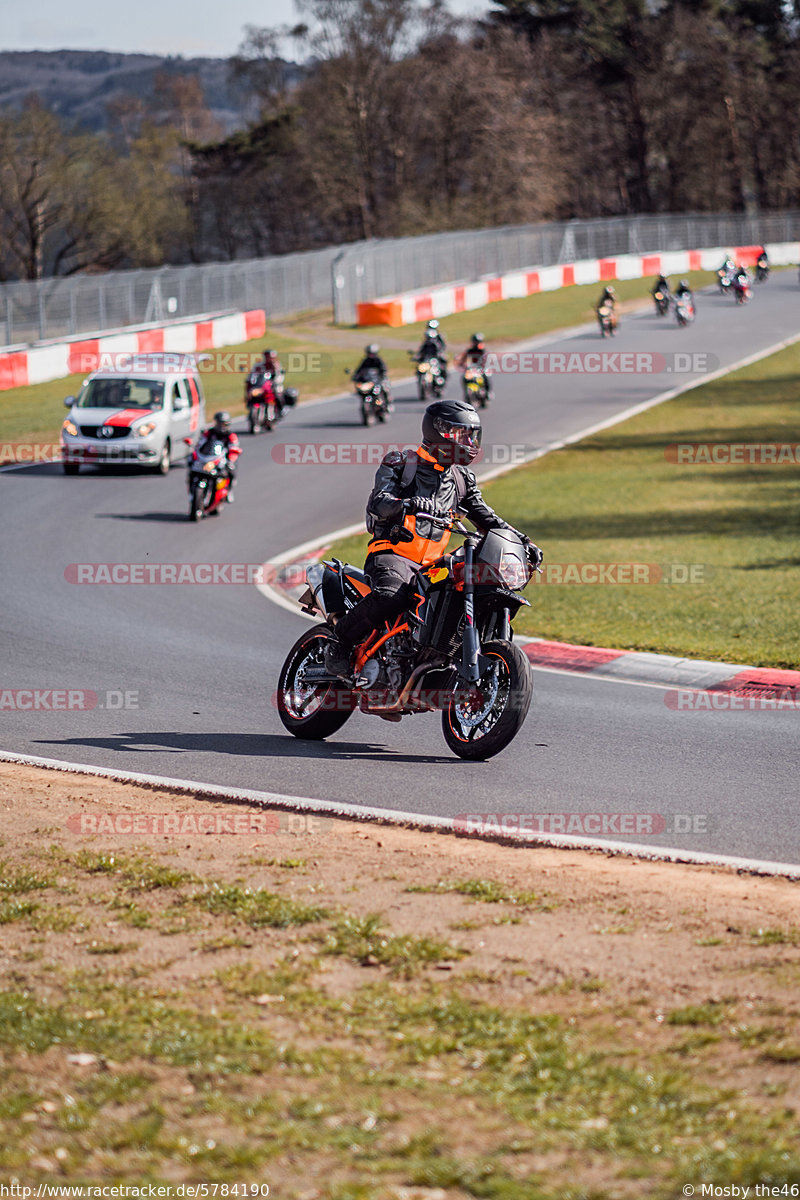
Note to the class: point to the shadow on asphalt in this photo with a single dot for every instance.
(252, 745)
(144, 516)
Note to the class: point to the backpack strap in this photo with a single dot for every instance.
(410, 470)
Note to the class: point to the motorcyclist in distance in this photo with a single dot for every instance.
(433, 346)
(475, 356)
(372, 361)
(608, 299)
(221, 431)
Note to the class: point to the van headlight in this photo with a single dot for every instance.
(70, 427)
(144, 430)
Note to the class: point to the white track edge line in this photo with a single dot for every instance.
(386, 816)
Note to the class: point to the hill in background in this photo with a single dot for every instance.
(78, 84)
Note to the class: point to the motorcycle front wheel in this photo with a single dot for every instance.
(196, 503)
(312, 711)
(491, 712)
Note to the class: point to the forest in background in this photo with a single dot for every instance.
(402, 119)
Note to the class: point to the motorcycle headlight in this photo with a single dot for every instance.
(70, 427)
(210, 466)
(145, 429)
(514, 572)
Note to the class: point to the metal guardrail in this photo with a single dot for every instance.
(286, 284)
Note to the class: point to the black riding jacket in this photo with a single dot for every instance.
(432, 482)
(372, 362)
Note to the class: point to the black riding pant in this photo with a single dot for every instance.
(392, 578)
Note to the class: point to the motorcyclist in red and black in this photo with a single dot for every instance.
(271, 365)
(221, 431)
(475, 356)
(440, 485)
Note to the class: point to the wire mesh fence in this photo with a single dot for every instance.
(83, 304)
(369, 270)
(361, 271)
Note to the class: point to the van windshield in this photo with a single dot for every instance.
(122, 393)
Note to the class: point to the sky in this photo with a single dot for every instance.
(191, 28)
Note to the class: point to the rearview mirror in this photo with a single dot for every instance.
(69, 401)
(347, 370)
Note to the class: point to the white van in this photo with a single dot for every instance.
(134, 418)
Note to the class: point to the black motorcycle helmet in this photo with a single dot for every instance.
(477, 339)
(222, 422)
(451, 432)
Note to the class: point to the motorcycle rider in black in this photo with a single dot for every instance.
(221, 431)
(372, 361)
(475, 356)
(433, 346)
(440, 484)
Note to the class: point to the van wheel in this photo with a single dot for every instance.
(165, 460)
(71, 468)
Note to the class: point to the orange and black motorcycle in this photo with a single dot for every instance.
(452, 651)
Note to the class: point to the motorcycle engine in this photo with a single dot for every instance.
(399, 660)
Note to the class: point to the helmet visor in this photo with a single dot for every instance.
(461, 435)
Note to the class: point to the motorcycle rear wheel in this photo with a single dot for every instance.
(311, 713)
(477, 733)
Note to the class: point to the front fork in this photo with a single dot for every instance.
(473, 663)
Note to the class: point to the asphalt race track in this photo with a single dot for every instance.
(199, 663)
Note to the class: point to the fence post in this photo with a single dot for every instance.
(337, 284)
(42, 314)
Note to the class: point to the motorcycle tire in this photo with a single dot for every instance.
(367, 415)
(333, 703)
(196, 504)
(507, 712)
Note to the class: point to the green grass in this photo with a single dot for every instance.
(36, 413)
(366, 941)
(775, 937)
(490, 891)
(615, 498)
(256, 906)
